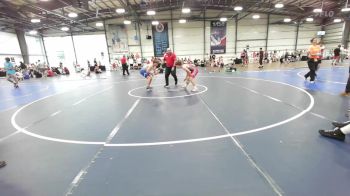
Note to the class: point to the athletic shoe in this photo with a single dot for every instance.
(312, 82)
(340, 125)
(184, 85)
(166, 86)
(148, 88)
(2, 164)
(194, 89)
(336, 134)
(345, 94)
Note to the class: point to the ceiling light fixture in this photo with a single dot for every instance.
(73, 15)
(120, 10)
(223, 19)
(256, 16)
(99, 24)
(33, 32)
(182, 21)
(287, 20)
(151, 12)
(186, 10)
(238, 8)
(337, 20)
(318, 10)
(309, 19)
(65, 29)
(279, 5)
(35, 20)
(127, 22)
(155, 22)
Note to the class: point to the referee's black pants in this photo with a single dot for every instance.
(167, 73)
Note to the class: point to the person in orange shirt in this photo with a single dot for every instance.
(314, 57)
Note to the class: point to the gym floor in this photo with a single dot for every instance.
(251, 133)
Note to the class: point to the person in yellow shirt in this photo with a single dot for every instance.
(314, 54)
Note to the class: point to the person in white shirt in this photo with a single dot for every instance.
(131, 62)
(139, 62)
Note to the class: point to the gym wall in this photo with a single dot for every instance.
(189, 37)
(333, 35)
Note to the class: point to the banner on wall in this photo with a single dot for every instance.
(118, 39)
(160, 39)
(60, 55)
(217, 37)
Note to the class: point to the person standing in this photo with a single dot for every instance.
(124, 65)
(169, 59)
(131, 62)
(336, 56)
(11, 72)
(347, 88)
(261, 57)
(314, 57)
(243, 57)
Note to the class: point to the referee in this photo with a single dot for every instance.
(169, 59)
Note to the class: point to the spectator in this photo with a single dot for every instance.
(347, 88)
(336, 56)
(124, 65)
(11, 72)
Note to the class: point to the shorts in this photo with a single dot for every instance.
(194, 72)
(144, 73)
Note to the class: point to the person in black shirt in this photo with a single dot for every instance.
(336, 56)
(23, 66)
(261, 57)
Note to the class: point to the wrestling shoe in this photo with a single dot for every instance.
(334, 134)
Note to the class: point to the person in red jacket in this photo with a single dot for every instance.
(124, 65)
(169, 59)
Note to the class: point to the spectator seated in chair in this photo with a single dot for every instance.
(97, 69)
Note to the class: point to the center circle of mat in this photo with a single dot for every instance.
(172, 142)
(136, 91)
